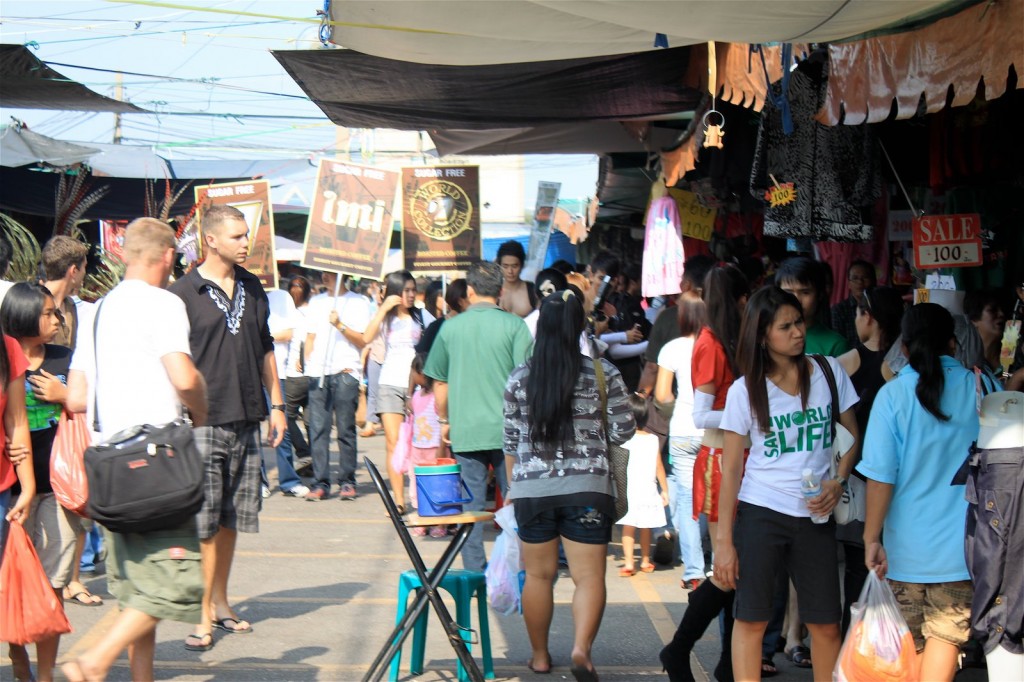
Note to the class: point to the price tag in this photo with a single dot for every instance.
(697, 221)
(947, 241)
(780, 195)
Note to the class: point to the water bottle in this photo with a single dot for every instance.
(811, 487)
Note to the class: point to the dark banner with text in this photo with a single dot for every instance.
(351, 216)
(440, 217)
(252, 198)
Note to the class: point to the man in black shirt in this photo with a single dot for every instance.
(232, 347)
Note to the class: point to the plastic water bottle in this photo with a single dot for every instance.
(811, 487)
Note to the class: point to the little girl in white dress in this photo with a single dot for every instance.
(644, 476)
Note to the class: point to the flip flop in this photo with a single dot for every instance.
(583, 674)
(768, 668)
(203, 642)
(800, 656)
(627, 572)
(82, 598)
(649, 568)
(231, 625)
(536, 671)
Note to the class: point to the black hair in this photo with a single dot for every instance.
(638, 404)
(605, 262)
(554, 368)
(927, 330)
(419, 361)
(886, 306)
(696, 268)
(808, 271)
(755, 361)
(455, 293)
(430, 297)
(563, 266)
(511, 248)
(975, 303)
(552, 276)
(394, 285)
(860, 263)
(724, 286)
(5, 362)
(5, 256)
(22, 307)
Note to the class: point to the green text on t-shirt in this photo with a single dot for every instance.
(812, 425)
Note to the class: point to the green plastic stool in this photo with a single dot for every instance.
(462, 585)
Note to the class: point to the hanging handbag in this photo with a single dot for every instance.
(67, 462)
(148, 477)
(851, 503)
(618, 456)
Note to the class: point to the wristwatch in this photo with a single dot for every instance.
(843, 483)
(278, 407)
(341, 328)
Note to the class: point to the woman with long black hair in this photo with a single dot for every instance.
(921, 429)
(16, 458)
(783, 407)
(401, 324)
(556, 452)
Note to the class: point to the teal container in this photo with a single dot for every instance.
(439, 489)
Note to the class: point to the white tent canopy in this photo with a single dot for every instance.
(465, 32)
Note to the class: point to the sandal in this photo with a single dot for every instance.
(233, 625)
(540, 671)
(82, 597)
(800, 656)
(649, 568)
(627, 572)
(768, 668)
(203, 642)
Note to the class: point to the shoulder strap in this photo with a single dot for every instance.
(826, 371)
(96, 367)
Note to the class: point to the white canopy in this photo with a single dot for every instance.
(465, 32)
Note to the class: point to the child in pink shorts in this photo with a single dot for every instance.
(426, 432)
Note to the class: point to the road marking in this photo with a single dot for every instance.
(661, 619)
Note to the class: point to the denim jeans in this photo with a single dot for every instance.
(92, 550)
(474, 475)
(296, 395)
(683, 452)
(286, 476)
(340, 395)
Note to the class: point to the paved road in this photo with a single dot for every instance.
(319, 583)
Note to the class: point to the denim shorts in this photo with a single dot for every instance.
(585, 525)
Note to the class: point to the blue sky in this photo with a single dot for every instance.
(226, 77)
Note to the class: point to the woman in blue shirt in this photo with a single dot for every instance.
(920, 430)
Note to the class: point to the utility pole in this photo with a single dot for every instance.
(119, 96)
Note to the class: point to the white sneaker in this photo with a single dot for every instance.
(264, 491)
(298, 491)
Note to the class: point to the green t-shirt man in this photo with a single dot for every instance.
(821, 340)
(474, 353)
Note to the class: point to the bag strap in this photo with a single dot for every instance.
(826, 370)
(96, 367)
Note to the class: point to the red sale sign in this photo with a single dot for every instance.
(947, 241)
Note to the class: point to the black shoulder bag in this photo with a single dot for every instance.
(145, 478)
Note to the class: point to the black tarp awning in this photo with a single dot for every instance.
(28, 83)
(361, 91)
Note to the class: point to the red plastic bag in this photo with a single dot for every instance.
(879, 646)
(402, 454)
(67, 462)
(29, 608)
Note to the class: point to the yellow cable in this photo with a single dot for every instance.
(309, 20)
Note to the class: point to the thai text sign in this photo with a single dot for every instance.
(947, 241)
(252, 198)
(440, 217)
(696, 221)
(351, 216)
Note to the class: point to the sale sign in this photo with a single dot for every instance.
(947, 241)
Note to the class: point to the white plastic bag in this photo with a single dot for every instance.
(879, 646)
(503, 568)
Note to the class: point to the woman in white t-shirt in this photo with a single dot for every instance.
(684, 437)
(401, 324)
(784, 405)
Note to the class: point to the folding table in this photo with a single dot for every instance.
(429, 579)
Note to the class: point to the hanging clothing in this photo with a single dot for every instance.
(663, 249)
(834, 170)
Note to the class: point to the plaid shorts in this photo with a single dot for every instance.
(939, 610)
(231, 459)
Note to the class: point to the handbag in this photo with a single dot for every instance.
(618, 456)
(67, 462)
(851, 503)
(148, 477)
(29, 608)
(401, 456)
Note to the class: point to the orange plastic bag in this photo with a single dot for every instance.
(879, 646)
(29, 608)
(67, 462)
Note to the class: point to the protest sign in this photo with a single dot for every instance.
(440, 217)
(252, 198)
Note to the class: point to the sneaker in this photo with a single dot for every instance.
(317, 494)
(264, 492)
(348, 491)
(297, 491)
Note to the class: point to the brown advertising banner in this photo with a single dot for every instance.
(351, 217)
(440, 217)
(252, 198)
